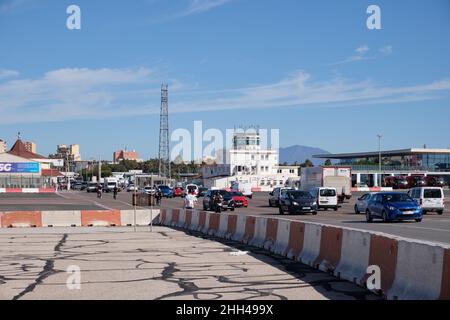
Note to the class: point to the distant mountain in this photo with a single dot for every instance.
(300, 154)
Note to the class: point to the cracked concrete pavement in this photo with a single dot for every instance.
(117, 263)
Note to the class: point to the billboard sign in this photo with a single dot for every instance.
(19, 167)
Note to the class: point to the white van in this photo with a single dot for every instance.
(326, 198)
(430, 199)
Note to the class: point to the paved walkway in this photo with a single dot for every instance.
(117, 263)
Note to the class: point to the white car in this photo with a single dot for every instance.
(149, 190)
(132, 188)
(362, 202)
(430, 199)
(326, 198)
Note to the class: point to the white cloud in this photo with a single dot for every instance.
(5, 73)
(9, 5)
(386, 50)
(362, 50)
(200, 6)
(361, 53)
(69, 94)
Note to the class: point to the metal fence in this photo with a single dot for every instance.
(24, 181)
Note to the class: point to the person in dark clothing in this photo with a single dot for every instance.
(115, 190)
(217, 200)
(99, 191)
(158, 196)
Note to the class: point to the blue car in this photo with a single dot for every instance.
(393, 206)
(166, 191)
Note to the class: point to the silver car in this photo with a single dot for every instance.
(361, 203)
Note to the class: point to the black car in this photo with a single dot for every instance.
(293, 201)
(228, 203)
(202, 192)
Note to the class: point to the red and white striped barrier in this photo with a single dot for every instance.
(83, 218)
(410, 269)
(27, 190)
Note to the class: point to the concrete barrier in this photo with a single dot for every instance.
(354, 256)
(175, 217)
(282, 237)
(239, 233)
(383, 253)
(214, 223)
(143, 217)
(231, 226)
(311, 244)
(182, 219)
(445, 287)
(21, 219)
(223, 226)
(345, 252)
(97, 218)
(30, 190)
(418, 273)
(61, 218)
(330, 248)
(2, 190)
(296, 239)
(250, 225)
(163, 216)
(256, 231)
(271, 233)
(195, 219)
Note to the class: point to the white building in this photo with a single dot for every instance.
(247, 162)
(3, 146)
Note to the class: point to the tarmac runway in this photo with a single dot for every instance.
(117, 263)
(433, 228)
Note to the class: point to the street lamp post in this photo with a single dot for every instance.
(379, 158)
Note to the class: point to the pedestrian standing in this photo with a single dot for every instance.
(115, 190)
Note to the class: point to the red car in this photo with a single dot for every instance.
(239, 199)
(178, 192)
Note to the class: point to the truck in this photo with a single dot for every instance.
(338, 177)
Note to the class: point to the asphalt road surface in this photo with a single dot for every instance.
(117, 263)
(433, 227)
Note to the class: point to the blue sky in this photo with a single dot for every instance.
(310, 68)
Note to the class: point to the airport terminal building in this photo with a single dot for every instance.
(414, 161)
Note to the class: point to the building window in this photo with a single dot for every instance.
(280, 171)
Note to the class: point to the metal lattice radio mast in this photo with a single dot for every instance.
(164, 157)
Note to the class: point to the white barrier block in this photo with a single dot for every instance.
(240, 228)
(194, 220)
(282, 241)
(418, 274)
(355, 253)
(182, 218)
(204, 229)
(143, 217)
(30, 190)
(168, 221)
(260, 232)
(2, 190)
(223, 226)
(61, 218)
(311, 244)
